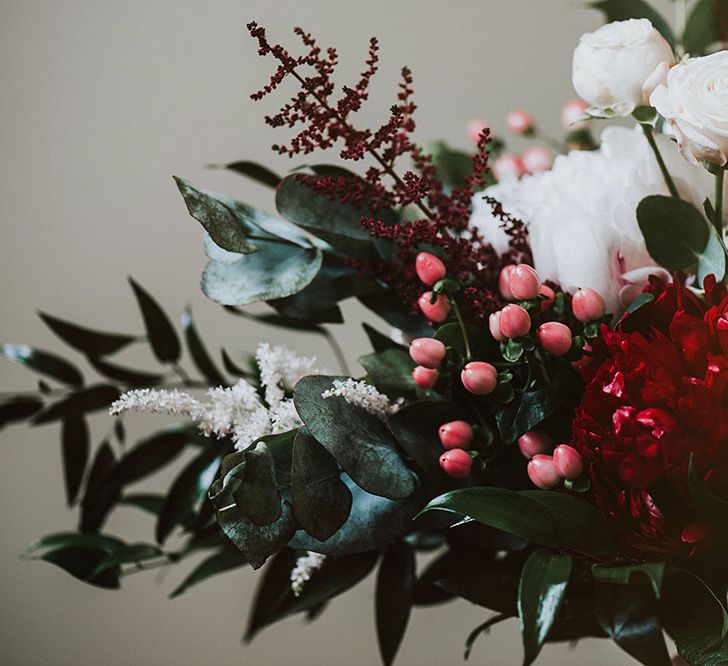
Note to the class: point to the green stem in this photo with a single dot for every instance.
(718, 220)
(461, 323)
(647, 129)
(336, 349)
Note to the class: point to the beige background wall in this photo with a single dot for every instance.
(100, 102)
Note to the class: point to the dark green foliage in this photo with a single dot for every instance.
(90, 342)
(162, 336)
(43, 362)
(393, 601)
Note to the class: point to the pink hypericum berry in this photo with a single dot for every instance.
(536, 159)
(533, 443)
(479, 378)
(424, 377)
(430, 268)
(567, 461)
(436, 311)
(554, 337)
(508, 166)
(456, 435)
(427, 352)
(515, 322)
(524, 283)
(542, 471)
(550, 295)
(475, 129)
(456, 463)
(504, 282)
(494, 326)
(572, 114)
(588, 305)
(519, 121)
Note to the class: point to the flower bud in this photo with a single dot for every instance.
(508, 165)
(456, 463)
(479, 378)
(533, 443)
(456, 435)
(568, 462)
(588, 305)
(515, 322)
(429, 268)
(554, 337)
(427, 352)
(436, 311)
(424, 377)
(519, 122)
(524, 283)
(504, 282)
(494, 326)
(475, 129)
(550, 295)
(572, 115)
(536, 159)
(542, 472)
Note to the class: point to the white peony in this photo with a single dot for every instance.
(616, 67)
(694, 100)
(581, 215)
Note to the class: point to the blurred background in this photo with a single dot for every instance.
(102, 101)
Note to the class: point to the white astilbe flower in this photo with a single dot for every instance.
(363, 395)
(236, 411)
(305, 566)
(281, 369)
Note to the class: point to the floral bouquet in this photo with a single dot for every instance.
(545, 414)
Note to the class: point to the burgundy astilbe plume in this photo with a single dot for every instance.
(323, 120)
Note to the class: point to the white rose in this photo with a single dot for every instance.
(581, 217)
(616, 67)
(694, 100)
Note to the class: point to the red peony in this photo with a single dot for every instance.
(657, 393)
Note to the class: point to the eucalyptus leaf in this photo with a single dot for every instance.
(277, 270)
(321, 500)
(219, 221)
(90, 342)
(42, 362)
(359, 441)
(75, 445)
(217, 563)
(162, 337)
(676, 233)
(393, 597)
(372, 521)
(335, 222)
(541, 592)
